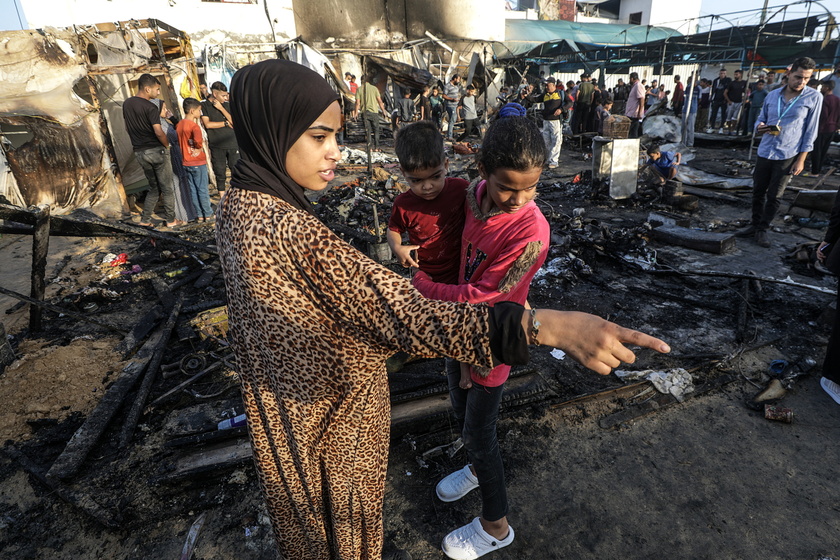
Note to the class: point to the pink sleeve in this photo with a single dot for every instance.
(485, 290)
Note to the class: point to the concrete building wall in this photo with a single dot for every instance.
(389, 23)
(668, 13)
(196, 17)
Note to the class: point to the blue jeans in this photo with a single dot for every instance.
(158, 169)
(452, 112)
(477, 411)
(199, 193)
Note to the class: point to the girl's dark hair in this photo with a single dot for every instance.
(512, 143)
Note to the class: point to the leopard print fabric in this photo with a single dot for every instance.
(312, 321)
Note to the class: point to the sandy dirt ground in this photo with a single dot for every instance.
(706, 478)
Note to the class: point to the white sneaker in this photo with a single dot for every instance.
(472, 541)
(832, 388)
(455, 486)
(720, 131)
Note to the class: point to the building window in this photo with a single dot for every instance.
(635, 18)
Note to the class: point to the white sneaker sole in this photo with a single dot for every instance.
(832, 388)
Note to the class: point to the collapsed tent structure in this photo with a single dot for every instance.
(61, 109)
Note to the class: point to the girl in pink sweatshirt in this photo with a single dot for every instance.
(505, 242)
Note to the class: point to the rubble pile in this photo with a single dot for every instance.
(352, 205)
(578, 241)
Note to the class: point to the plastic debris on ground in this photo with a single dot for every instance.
(568, 268)
(666, 127)
(676, 382)
(359, 157)
(558, 354)
(690, 176)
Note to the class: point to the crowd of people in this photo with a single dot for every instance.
(173, 152)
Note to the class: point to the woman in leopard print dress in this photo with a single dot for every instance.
(312, 321)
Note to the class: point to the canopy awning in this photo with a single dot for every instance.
(548, 38)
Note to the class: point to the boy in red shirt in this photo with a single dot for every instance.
(194, 159)
(431, 212)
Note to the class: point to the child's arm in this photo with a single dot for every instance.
(677, 159)
(496, 282)
(401, 252)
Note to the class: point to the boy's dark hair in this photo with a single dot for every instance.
(829, 84)
(190, 103)
(761, 82)
(512, 143)
(634, 75)
(419, 146)
(804, 62)
(147, 80)
(653, 150)
(219, 86)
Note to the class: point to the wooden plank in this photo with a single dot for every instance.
(77, 449)
(151, 371)
(815, 200)
(709, 242)
(225, 456)
(40, 248)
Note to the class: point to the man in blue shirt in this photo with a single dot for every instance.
(788, 121)
(663, 164)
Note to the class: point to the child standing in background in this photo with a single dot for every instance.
(405, 109)
(505, 242)
(470, 113)
(194, 158)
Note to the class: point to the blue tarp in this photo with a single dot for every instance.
(534, 37)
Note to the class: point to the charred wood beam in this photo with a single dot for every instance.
(144, 326)
(146, 385)
(60, 310)
(87, 226)
(79, 446)
(735, 275)
(660, 400)
(40, 248)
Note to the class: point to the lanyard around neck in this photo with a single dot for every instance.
(779, 105)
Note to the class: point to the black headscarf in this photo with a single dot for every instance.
(272, 104)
